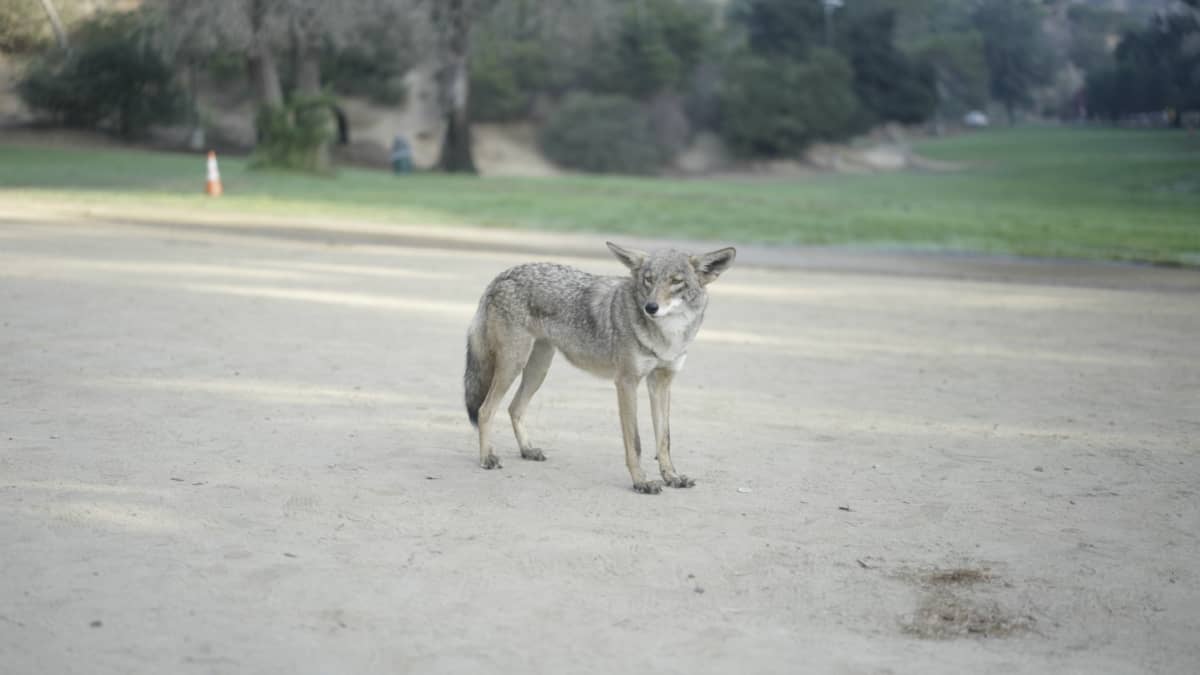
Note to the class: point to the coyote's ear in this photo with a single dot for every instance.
(709, 266)
(629, 257)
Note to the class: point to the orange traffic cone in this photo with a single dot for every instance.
(212, 186)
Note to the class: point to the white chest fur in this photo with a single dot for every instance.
(677, 328)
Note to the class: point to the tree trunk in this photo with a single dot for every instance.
(456, 154)
(308, 70)
(308, 85)
(263, 69)
(60, 35)
(265, 74)
(306, 53)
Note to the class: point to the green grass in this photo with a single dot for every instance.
(1100, 194)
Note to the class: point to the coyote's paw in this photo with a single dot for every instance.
(533, 454)
(680, 481)
(490, 462)
(649, 487)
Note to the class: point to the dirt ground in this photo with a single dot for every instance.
(242, 449)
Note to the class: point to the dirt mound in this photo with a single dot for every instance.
(887, 148)
(510, 150)
(958, 603)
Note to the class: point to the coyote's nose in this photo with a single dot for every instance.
(651, 308)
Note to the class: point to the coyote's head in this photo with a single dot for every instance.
(665, 281)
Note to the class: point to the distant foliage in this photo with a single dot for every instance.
(788, 89)
(656, 46)
(1153, 69)
(602, 134)
(1090, 30)
(506, 76)
(373, 66)
(959, 69)
(1019, 55)
(23, 27)
(779, 28)
(891, 86)
(112, 78)
(774, 108)
(224, 67)
(294, 136)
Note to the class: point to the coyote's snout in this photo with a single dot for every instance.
(625, 328)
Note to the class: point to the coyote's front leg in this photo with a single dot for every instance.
(659, 384)
(627, 406)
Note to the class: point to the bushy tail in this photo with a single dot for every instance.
(478, 376)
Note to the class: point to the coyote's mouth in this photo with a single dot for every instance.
(666, 309)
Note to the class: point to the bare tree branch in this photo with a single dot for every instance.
(56, 23)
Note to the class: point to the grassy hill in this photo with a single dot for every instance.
(1085, 193)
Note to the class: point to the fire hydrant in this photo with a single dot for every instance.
(401, 156)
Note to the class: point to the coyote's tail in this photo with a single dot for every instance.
(478, 376)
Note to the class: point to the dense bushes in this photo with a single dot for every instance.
(112, 79)
(1152, 70)
(619, 85)
(505, 78)
(656, 45)
(891, 86)
(766, 81)
(373, 67)
(784, 91)
(775, 108)
(602, 133)
(296, 135)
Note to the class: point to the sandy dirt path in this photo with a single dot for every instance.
(226, 450)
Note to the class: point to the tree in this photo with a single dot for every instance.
(451, 22)
(774, 108)
(1090, 28)
(777, 28)
(960, 69)
(372, 60)
(112, 78)
(1154, 69)
(891, 85)
(252, 28)
(293, 126)
(55, 22)
(655, 46)
(1018, 53)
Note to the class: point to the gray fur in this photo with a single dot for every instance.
(476, 379)
(600, 324)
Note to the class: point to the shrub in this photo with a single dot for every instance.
(779, 28)
(890, 85)
(776, 107)
(111, 78)
(655, 46)
(295, 135)
(374, 63)
(225, 67)
(505, 77)
(602, 134)
(371, 71)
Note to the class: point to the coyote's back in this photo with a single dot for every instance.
(544, 300)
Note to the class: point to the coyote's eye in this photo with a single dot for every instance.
(648, 280)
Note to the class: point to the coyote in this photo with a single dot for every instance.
(624, 328)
